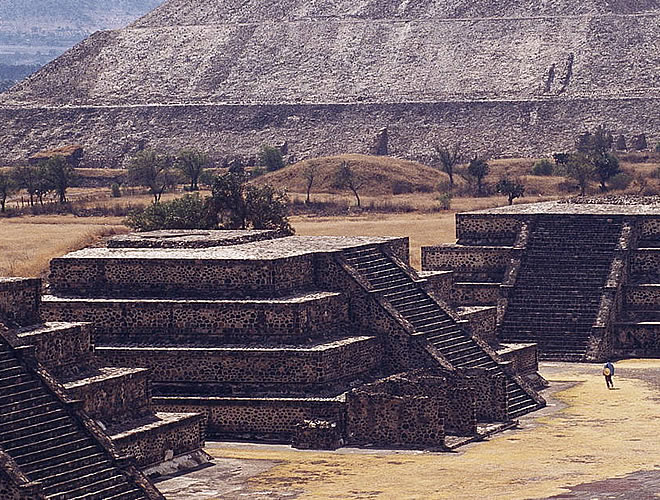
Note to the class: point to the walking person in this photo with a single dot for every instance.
(608, 371)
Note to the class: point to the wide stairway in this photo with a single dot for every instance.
(49, 445)
(560, 283)
(429, 319)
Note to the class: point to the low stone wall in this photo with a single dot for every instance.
(645, 296)
(19, 301)
(484, 229)
(170, 277)
(304, 316)
(339, 360)
(264, 418)
(523, 357)
(387, 420)
(489, 391)
(637, 339)
(482, 321)
(460, 258)
(161, 441)
(114, 395)
(62, 347)
(475, 294)
(438, 284)
(645, 264)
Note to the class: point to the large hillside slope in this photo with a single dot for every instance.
(512, 77)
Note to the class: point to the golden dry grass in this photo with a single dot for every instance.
(27, 244)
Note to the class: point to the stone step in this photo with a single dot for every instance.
(92, 485)
(85, 451)
(43, 403)
(36, 428)
(18, 423)
(301, 315)
(315, 362)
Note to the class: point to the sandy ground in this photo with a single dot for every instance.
(589, 443)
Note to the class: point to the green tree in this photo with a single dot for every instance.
(271, 158)
(59, 175)
(449, 157)
(153, 171)
(236, 204)
(595, 148)
(511, 188)
(42, 183)
(478, 170)
(25, 177)
(580, 168)
(192, 164)
(347, 178)
(606, 167)
(7, 187)
(187, 212)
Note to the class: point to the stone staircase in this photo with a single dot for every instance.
(429, 320)
(49, 444)
(559, 285)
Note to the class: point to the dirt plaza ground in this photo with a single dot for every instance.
(589, 443)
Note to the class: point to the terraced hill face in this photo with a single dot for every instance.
(428, 70)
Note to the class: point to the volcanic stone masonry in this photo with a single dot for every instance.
(296, 339)
(580, 278)
(505, 78)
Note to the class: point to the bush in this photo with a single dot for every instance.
(187, 212)
(115, 191)
(657, 148)
(271, 158)
(656, 173)
(620, 181)
(444, 201)
(543, 167)
(402, 187)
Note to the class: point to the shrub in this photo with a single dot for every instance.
(656, 173)
(115, 191)
(402, 187)
(187, 212)
(444, 201)
(657, 148)
(543, 167)
(271, 158)
(620, 181)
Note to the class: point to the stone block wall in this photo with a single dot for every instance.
(466, 259)
(487, 229)
(267, 418)
(161, 441)
(645, 263)
(123, 397)
(490, 394)
(168, 276)
(438, 284)
(388, 420)
(523, 357)
(475, 294)
(482, 321)
(305, 316)
(19, 301)
(334, 361)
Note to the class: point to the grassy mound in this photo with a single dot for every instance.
(383, 175)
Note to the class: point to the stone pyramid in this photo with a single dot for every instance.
(511, 77)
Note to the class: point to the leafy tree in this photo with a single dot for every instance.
(153, 171)
(236, 204)
(512, 188)
(7, 187)
(347, 178)
(42, 183)
(310, 172)
(271, 158)
(192, 164)
(478, 169)
(59, 176)
(580, 168)
(25, 177)
(543, 167)
(606, 167)
(620, 144)
(449, 157)
(595, 148)
(187, 212)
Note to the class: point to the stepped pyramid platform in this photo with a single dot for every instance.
(578, 277)
(324, 78)
(293, 339)
(53, 445)
(118, 399)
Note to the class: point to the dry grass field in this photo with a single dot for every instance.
(27, 244)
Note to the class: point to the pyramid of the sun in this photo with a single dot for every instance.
(508, 77)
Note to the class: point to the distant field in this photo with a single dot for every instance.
(29, 243)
